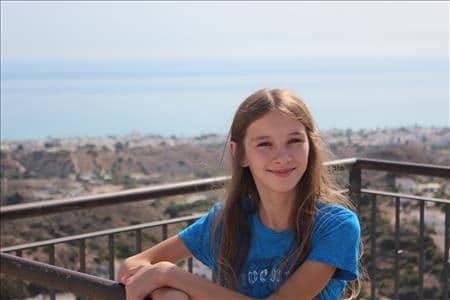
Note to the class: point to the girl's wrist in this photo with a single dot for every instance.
(166, 273)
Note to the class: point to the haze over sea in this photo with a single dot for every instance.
(196, 97)
(79, 69)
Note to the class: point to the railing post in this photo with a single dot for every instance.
(111, 256)
(83, 255)
(190, 264)
(397, 247)
(373, 236)
(20, 281)
(138, 241)
(51, 261)
(446, 250)
(82, 246)
(355, 185)
(421, 247)
(164, 232)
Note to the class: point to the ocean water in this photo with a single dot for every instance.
(39, 100)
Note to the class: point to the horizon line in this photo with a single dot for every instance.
(190, 136)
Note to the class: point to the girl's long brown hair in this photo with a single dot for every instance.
(242, 196)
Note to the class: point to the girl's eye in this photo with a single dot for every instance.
(295, 141)
(264, 144)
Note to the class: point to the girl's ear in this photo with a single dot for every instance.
(233, 147)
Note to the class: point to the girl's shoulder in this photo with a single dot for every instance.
(335, 209)
(335, 215)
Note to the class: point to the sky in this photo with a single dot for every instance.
(147, 30)
(95, 68)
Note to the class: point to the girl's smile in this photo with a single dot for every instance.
(282, 172)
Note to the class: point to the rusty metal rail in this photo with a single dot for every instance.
(62, 279)
(72, 281)
(403, 167)
(108, 232)
(20, 211)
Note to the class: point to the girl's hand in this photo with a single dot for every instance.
(128, 268)
(166, 293)
(146, 279)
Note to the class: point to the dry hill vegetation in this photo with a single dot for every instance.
(59, 173)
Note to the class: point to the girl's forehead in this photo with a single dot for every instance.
(275, 123)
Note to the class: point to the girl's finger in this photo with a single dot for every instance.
(124, 279)
(130, 273)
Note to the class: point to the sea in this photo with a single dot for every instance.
(56, 99)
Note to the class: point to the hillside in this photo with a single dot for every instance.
(63, 169)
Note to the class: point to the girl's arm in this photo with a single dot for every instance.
(155, 268)
(164, 274)
(305, 283)
(171, 250)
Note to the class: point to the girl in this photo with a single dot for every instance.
(283, 231)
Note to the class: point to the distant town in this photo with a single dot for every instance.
(363, 137)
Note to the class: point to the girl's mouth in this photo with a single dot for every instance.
(282, 173)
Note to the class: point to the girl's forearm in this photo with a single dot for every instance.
(198, 288)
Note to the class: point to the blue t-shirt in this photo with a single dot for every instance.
(334, 241)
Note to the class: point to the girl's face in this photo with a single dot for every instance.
(276, 152)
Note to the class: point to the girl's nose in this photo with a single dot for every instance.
(283, 156)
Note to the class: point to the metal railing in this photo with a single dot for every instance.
(52, 276)
(20, 211)
(72, 281)
(49, 275)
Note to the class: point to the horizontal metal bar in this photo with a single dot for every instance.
(405, 196)
(94, 234)
(404, 167)
(62, 279)
(10, 212)
(346, 162)
(183, 219)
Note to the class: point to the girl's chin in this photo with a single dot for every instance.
(283, 189)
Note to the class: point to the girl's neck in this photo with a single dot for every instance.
(275, 211)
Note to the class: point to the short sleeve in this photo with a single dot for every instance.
(335, 241)
(196, 237)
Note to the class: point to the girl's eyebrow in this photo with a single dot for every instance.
(258, 138)
(263, 137)
(302, 133)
